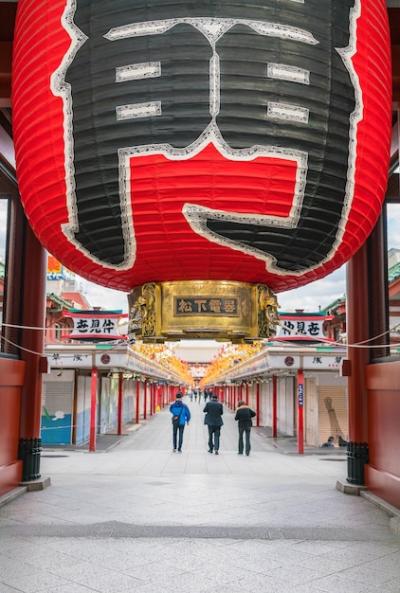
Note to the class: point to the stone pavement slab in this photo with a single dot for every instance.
(140, 518)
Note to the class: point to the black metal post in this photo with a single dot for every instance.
(29, 453)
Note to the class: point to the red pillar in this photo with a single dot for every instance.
(33, 314)
(258, 403)
(300, 411)
(151, 398)
(357, 331)
(247, 394)
(120, 402)
(93, 410)
(137, 414)
(274, 406)
(145, 400)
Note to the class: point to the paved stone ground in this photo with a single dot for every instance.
(143, 519)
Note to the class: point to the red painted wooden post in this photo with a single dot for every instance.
(145, 400)
(247, 394)
(274, 406)
(137, 414)
(151, 399)
(258, 403)
(300, 411)
(93, 410)
(120, 402)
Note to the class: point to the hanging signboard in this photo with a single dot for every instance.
(295, 327)
(96, 325)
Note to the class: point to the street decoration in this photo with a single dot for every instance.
(202, 139)
(202, 309)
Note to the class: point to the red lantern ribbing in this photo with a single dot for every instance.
(213, 141)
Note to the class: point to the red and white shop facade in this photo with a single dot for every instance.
(98, 389)
(296, 391)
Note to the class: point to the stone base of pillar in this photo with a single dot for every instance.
(36, 485)
(352, 489)
(357, 458)
(29, 453)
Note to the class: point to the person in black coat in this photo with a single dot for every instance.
(213, 419)
(244, 416)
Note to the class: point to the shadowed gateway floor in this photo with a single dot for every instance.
(143, 519)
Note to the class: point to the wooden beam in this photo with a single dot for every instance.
(5, 71)
(396, 72)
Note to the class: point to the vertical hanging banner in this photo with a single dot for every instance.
(199, 139)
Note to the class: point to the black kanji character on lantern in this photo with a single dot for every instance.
(270, 73)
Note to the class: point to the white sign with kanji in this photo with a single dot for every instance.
(325, 363)
(91, 326)
(303, 328)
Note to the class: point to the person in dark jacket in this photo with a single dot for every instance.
(244, 416)
(213, 419)
(180, 417)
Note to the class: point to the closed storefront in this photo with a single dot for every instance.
(286, 416)
(333, 409)
(326, 408)
(57, 407)
(129, 401)
(82, 419)
(311, 413)
(266, 403)
(108, 405)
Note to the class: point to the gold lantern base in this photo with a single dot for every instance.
(197, 309)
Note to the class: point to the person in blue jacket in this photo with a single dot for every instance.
(180, 417)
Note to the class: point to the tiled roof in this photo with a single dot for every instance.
(394, 272)
(62, 303)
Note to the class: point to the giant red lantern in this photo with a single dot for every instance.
(202, 139)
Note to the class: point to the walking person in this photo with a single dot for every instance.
(213, 419)
(180, 417)
(244, 416)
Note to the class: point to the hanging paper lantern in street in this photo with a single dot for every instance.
(200, 139)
